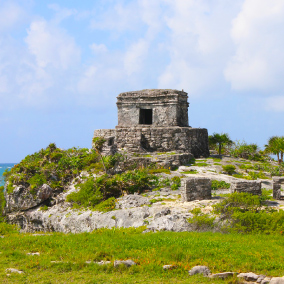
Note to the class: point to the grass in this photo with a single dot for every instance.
(221, 252)
(190, 172)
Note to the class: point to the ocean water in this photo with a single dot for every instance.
(3, 167)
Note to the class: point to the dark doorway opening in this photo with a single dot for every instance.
(146, 116)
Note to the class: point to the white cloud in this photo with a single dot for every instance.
(135, 55)
(10, 14)
(51, 45)
(275, 103)
(98, 48)
(257, 32)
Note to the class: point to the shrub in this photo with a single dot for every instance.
(229, 169)
(200, 221)
(216, 184)
(107, 205)
(247, 151)
(94, 191)
(176, 183)
(2, 201)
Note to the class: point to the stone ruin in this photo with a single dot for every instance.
(277, 182)
(151, 121)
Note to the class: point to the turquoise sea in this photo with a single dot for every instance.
(3, 167)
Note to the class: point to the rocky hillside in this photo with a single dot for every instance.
(67, 191)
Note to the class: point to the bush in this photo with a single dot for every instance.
(247, 151)
(107, 205)
(176, 183)
(200, 221)
(216, 184)
(2, 201)
(94, 191)
(229, 169)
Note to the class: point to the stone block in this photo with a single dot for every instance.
(277, 181)
(196, 188)
(248, 186)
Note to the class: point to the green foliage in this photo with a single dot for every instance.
(201, 164)
(275, 146)
(247, 151)
(238, 202)
(160, 170)
(52, 166)
(247, 213)
(216, 184)
(88, 195)
(190, 172)
(7, 229)
(44, 208)
(200, 221)
(2, 201)
(107, 205)
(229, 169)
(176, 183)
(219, 141)
(94, 191)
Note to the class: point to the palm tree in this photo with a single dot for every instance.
(275, 146)
(220, 140)
(98, 143)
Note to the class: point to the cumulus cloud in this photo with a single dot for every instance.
(11, 14)
(257, 32)
(51, 45)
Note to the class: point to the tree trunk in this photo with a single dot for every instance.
(220, 148)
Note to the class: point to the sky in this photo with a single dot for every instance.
(63, 63)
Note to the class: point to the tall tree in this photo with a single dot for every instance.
(220, 140)
(275, 146)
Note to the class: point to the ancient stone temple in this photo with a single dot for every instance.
(154, 121)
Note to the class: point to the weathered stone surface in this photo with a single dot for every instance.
(248, 276)
(249, 186)
(199, 270)
(277, 280)
(154, 121)
(223, 275)
(167, 107)
(14, 270)
(22, 199)
(169, 266)
(33, 253)
(196, 188)
(128, 262)
(130, 201)
(277, 181)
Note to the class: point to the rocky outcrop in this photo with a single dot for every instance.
(23, 199)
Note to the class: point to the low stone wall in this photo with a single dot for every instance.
(249, 186)
(196, 188)
(163, 139)
(277, 181)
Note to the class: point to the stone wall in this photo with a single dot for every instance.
(249, 186)
(163, 139)
(169, 107)
(109, 147)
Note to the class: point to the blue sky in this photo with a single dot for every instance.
(62, 64)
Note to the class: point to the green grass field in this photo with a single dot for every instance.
(221, 252)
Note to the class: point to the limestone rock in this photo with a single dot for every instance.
(128, 262)
(199, 270)
(22, 199)
(169, 266)
(14, 270)
(223, 275)
(131, 200)
(248, 276)
(277, 280)
(249, 186)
